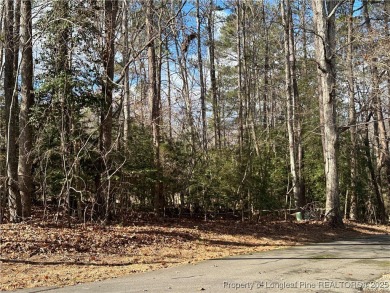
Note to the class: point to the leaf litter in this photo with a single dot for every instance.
(43, 254)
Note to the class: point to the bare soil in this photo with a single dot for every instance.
(42, 253)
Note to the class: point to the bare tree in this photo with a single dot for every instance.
(16, 33)
(181, 51)
(352, 117)
(110, 14)
(27, 100)
(383, 158)
(325, 34)
(213, 78)
(266, 66)
(154, 101)
(11, 115)
(126, 81)
(201, 77)
(2, 125)
(303, 23)
(169, 90)
(239, 78)
(291, 92)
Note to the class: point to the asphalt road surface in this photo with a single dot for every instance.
(341, 266)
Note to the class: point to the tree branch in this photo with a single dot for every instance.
(334, 9)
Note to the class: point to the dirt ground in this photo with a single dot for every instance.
(46, 254)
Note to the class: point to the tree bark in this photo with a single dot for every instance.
(371, 169)
(383, 158)
(291, 92)
(27, 100)
(11, 115)
(353, 212)
(303, 22)
(247, 70)
(169, 91)
(126, 81)
(266, 88)
(62, 72)
(201, 78)
(182, 55)
(325, 49)
(110, 13)
(239, 80)
(154, 101)
(2, 124)
(17, 15)
(213, 79)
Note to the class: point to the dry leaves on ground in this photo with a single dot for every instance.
(43, 254)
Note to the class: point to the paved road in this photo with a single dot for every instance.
(340, 266)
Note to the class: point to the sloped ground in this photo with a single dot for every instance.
(46, 254)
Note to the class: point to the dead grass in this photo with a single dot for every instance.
(43, 254)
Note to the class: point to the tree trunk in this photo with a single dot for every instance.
(11, 115)
(386, 18)
(186, 90)
(371, 169)
(302, 17)
(201, 78)
(325, 49)
(62, 71)
(291, 92)
(169, 91)
(386, 10)
(266, 122)
(383, 158)
(353, 213)
(213, 79)
(249, 102)
(154, 101)
(110, 13)
(239, 80)
(17, 15)
(126, 81)
(27, 100)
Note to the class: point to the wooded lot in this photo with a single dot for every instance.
(203, 108)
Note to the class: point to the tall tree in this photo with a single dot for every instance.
(303, 22)
(213, 78)
(27, 100)
(169, 90)
(266, 66)
(383, 157)
(325, 45)
(126, 81)
(154, 101)
(182, 51)
(17, 15)
(11, 115)
(239, 78)
(353, 214)
(62, 34)
(2, 124)
(110, 14)
(291, 92)
(201, 76)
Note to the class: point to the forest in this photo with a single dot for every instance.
(194, 108)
